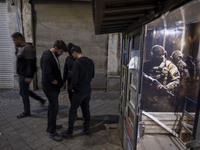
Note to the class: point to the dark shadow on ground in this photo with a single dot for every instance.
(97, 124)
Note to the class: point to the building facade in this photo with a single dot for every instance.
(43, 22)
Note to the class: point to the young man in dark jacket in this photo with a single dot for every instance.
(67, 73)
(83, 72)
(26, 67)
(51, 84)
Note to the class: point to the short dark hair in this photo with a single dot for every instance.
(17, 35)
(60, 44)
(69, 47)
(76, 49)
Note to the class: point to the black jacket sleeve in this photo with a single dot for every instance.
(93, 72)
(30, 68)
(65, 71)
(47, 70)
(30, 60)
(76, 72)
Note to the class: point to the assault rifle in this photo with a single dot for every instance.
(149, 79)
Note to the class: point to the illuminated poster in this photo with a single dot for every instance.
(171, 61)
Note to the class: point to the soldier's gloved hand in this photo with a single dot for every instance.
(158, 87)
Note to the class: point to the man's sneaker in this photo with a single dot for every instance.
(55, 136)
(67, 135)
(23, 115)
(57, 128)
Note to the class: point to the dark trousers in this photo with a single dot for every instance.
(70, 93)
(52, 96)
(25, 93)
(83, 101)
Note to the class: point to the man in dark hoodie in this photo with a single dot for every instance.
(83, 72)
(67, 73)
(26, 67)
(51, 84)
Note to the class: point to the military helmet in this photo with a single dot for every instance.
(158, 50)
(176, 54)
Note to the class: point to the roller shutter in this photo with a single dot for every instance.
(6, 54)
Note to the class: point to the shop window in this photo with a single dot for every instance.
(134, 53)
(131, 116)
(133, 80)
(136, 42)
(178, 35)
(132, 98)
(125, 42)
(125, 58)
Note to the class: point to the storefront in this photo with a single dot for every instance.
(159, 72)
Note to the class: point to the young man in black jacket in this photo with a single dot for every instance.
(26, 67)
(83, 72)
(67, 73)
(51, 84)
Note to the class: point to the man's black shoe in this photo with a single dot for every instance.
(85, 132)
(57, 128)
(43, 102)
(23, 115)
(55, 136)
(67, 135)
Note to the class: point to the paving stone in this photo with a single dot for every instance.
(8, 129)
(14, 138)
(31, 138)
(4, 143)
(15, 122)
(19, 145)
(12, 133)
(110, 146)
(36, 143)
(61, 147)
(3, 122)
(44, 147)
(20, 126)
(7, 148)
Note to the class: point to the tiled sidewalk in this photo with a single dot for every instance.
(29, 133)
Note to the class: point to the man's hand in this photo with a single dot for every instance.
(54, 82)
(28, 80)
(73, 90)
(64, 86)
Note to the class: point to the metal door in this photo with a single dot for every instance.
(134, 72)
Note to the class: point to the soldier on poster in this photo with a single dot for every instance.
(161, 78)
(177, 59)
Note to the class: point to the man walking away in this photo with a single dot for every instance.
(83, 72)
(51, 84)
(26, 67)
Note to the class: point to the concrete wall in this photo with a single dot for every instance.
(15, 25)
(71, 22)
(113, 71)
